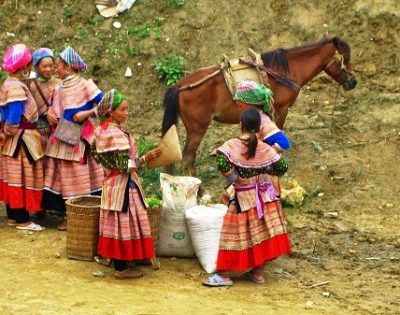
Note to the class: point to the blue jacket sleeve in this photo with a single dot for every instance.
(69, 113)
(4, 113)
(280, 139)
(97, 99)
(15, 111)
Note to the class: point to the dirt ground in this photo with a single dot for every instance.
(345, 154)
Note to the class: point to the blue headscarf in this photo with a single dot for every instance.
(40, 54)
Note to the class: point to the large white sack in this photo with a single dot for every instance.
(205, 225)
(178, 194)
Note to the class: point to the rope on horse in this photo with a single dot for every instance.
(280, 79)
(193, 85)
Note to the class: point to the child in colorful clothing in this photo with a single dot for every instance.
(253, 230)
(70, 169)
(124, 225)
(22, 167)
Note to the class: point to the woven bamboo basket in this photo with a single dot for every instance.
(155, 220)
(83, 227)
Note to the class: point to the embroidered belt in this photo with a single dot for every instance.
(259, 188)
(27, 125)
(113, 173)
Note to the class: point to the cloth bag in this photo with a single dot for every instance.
(68, 131)
(178, 194)
(205, 224)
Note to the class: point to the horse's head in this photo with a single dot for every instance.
(339, 66)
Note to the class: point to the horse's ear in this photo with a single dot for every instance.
(335, 41)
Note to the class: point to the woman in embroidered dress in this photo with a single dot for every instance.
(124, 226)
(42, 87)
(70, 169)
(253, 230)
(22, 167)
(249, 94)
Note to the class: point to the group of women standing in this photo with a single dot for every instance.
(51, 151)
(38, 170)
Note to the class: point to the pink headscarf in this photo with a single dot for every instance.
(16, 57)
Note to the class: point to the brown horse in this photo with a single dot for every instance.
(203, 95)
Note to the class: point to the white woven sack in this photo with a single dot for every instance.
(205, 223)
(178, 194)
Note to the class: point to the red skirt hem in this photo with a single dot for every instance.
(140, 249)
(21, 198)
(256, 256)
(2, 188)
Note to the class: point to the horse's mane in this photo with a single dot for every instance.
(278, 58)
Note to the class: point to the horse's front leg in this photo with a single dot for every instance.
(280, 116)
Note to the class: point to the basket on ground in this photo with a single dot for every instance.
(154, 215)
(83, 227)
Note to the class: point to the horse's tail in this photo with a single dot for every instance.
(171, 108)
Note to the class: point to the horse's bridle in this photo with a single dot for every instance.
(339, 59)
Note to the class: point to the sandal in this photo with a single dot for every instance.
(30, 227)
(62, 226)
(217, 281)
(255, 276)
(127, 274)
(103, 261)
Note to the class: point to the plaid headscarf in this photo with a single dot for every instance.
(71, 57)
(252, 93)
(40, 54)
(109, 102)
(16, 57)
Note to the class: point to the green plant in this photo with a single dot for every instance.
(171, 69)
(141, 31)
(150, 178)
(113, 48)
(144, 146)
(50, 27)
(132, 52)
(153, 202)
(80, 32)
(158, 34)
(175, 4)
(95, 20)
(159, 21)
(68, 13)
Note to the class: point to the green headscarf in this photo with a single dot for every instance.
(109, 102)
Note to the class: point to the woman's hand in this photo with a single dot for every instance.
(277, 148)
(83, 115)
(52, 117)
(152, 154)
